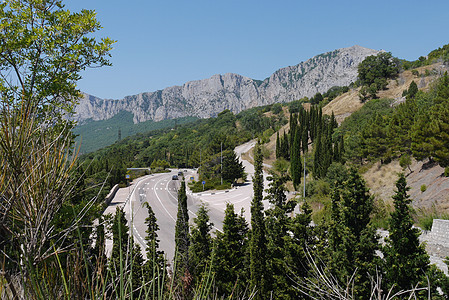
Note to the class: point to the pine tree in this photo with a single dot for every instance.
(200, 244)
(258, 271)
(400, 126)
(441, 140)
(406, 260)
(422, 134)
(182, 238)
(229, 254)
(374, 138)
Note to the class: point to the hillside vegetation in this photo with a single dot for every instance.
(94, 135)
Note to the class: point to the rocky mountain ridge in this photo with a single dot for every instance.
(208, 97)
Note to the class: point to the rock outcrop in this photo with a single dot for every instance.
(208, 97)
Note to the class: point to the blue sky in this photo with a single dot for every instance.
(165, 43)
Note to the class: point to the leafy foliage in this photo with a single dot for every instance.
(374, 71)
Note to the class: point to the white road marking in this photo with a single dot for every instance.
(160, 201)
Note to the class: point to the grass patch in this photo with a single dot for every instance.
(214, 184)
(424, 217)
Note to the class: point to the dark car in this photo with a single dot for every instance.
(180, 173)
(174, 177)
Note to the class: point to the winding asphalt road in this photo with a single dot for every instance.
(160, 191)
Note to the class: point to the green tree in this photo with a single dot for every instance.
(374, 142)
(182, 239)
(278, 224)
(155, 257)
(276, 108)
(44, 48)
(373, 67)
(295, 158)
(120, 235)
(200, 244)
(297, 243)
(412, 90)
(351, 237)
(257, 247)
(405, 161)
(232, 168)
(423, 133)
(441, 140)
(278, 146)
(406, 260)
(399, 127)
(229, 254)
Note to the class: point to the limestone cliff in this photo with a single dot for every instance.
(208, 97)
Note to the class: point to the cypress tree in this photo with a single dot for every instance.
(352, 238)
(278, 146)
(305, 139)
(100, 242)
(286, 145)
(318, 156)
(155, 258)
(120, 236)
(278, 224)
(182, 238)
(126, 256)
(406, 260)
(295, 158)
(293, 125)
(296, 244)
(412, 90)
(258, 271)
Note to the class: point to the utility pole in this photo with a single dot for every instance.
(221, 167)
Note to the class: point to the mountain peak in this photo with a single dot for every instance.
(208, 97)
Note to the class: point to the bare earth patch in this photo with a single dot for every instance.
(381, 180)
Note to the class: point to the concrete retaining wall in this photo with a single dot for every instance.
(111, 195)
(438, 238)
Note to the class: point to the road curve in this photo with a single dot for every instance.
(160, 191)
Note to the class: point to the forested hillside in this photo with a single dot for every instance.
(93, 135)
